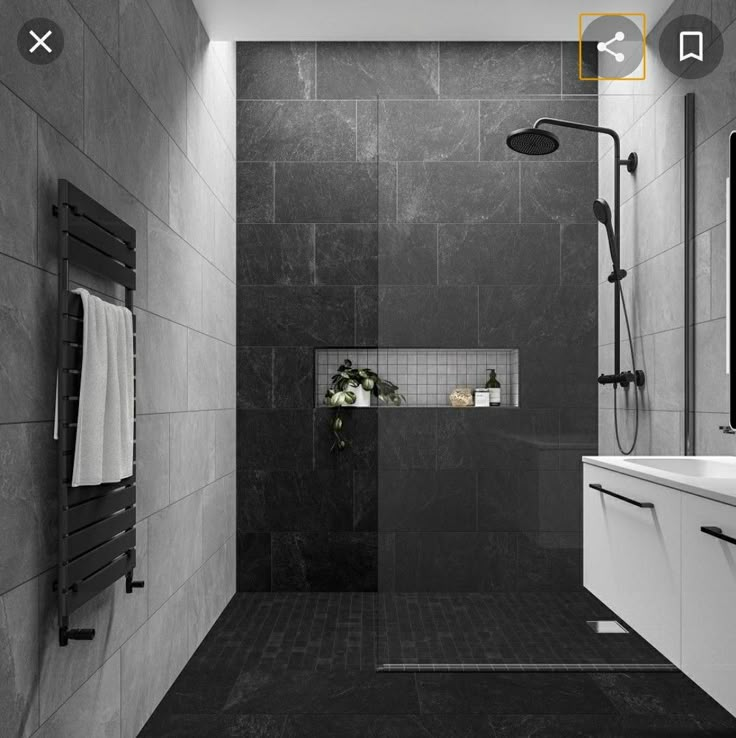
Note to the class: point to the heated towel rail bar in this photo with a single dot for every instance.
(96, 523)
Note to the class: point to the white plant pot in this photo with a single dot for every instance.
(362, 397)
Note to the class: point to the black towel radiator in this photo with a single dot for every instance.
(96, 523)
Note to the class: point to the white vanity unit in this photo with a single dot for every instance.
(660, 550)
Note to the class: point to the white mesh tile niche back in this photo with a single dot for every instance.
(425, 377)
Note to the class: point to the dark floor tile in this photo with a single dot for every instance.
(334, 692)
(202, 688)
(512, 693)
(660, 694)
(554, 726)
(210, 726)
(387, 726)
(674, 726)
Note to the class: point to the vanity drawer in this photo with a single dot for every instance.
(631, 553)
(709, 599)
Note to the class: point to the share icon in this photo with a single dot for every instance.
(603, 46)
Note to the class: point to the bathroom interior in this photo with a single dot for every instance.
(364, 369)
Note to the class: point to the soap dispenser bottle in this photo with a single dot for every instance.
(494, 388)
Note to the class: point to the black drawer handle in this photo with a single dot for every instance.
(712, 530)
(620, 497)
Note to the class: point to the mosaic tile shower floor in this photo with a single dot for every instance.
(365, 631)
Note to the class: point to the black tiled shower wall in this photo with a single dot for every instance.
(451, 241)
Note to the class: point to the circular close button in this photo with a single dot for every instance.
(691, 46)
(40, 41)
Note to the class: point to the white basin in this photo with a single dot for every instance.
(689, 466)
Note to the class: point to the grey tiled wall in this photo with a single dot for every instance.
(139, 111)
(649, 116)
(451, 242)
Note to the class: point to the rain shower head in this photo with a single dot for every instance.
(533, 141)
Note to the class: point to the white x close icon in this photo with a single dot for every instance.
(40, 41)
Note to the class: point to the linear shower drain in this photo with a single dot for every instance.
(606, 626)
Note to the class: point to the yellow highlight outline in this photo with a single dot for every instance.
(643, 17)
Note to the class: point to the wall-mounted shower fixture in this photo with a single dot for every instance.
(538, 141)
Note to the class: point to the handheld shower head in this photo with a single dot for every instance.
(533, 141)
(602, 212)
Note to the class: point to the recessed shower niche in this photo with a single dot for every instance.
(425, 377)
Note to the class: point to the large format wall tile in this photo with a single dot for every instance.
(407, 254)
(207, 373)
(17, 179)
(152, 463)
(175, 548)
(317, 130)
(103, 19)
(296, 316)
(425, 499)
(54, 91)
(488, 70)
(191, 206)
(131, 144)
(293, 377)
(255, 377)
(174, 275)
(276, 439)
(19, 659)
(253, 559)
(161, 364)
(192, 452)
(499, 254)
(324, 562)
(225, 442)
(295, 500)
(346, 254)
(537, 314)
(28, 325)
(208, 151)
(255, 192)
(218, 304)
(218, 515)
(441, 317)
(418, 130)
(149, 62)
(275, 253)
(94, 709)
(558, 192)
(367, 69)
(151, 660)
(280, 71)
(458, 192)
(334, 193)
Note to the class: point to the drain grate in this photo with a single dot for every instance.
(606, 626)
(595, 668)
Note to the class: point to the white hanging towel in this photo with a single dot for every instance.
(104, 445)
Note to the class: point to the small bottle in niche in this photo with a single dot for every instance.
(494, 388)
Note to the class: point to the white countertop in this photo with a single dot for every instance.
(714, 488)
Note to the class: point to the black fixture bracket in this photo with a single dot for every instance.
(617, 276)
(624, 378)
(631, 162)
(716, 532)
(131, 584)
(75, 634)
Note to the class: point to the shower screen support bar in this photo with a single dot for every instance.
(96, 538)
(689, 222)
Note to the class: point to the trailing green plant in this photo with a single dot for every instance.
(341, 393)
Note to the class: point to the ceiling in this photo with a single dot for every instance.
(407, 20)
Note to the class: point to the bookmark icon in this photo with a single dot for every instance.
(693, 40)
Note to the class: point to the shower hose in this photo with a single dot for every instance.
(624, 451)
